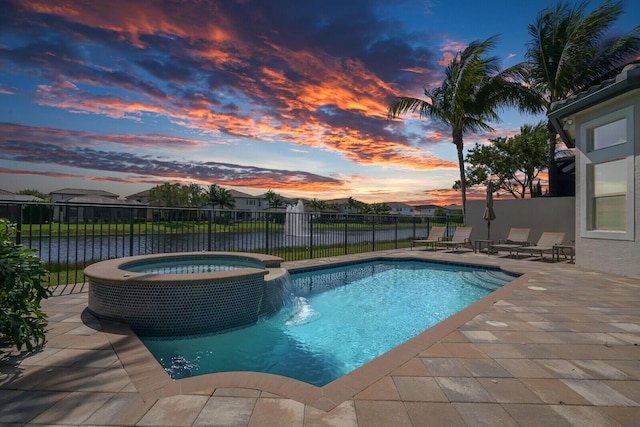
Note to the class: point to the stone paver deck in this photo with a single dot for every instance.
(559, 346)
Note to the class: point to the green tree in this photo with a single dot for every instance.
(469, 96)
(356, 205)
(318, 205)
(194, 195)
(512, 164)
(274, 199)
(23, 285)
(218, 196)
(168, 195)
(537, 190)
(570, 51)
(37, 213)
(35, 193)
(379, 209)
(440, 215)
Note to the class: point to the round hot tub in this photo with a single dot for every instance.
(186, 293)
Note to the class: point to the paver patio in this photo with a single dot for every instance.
(558, 346)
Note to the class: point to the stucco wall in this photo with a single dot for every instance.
(609, 255)
(539, 214)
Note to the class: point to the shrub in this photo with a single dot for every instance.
(23, 285)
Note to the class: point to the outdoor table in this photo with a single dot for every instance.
(566, 250)
(478, 245)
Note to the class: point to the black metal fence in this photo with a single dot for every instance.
(68, 237)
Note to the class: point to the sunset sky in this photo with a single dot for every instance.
(252, 95)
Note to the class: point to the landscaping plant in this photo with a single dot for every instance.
(23, 285)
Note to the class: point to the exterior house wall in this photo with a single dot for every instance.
(401, 209)
(247, 208)
(609, 255)
(540, 214)
(612, 246)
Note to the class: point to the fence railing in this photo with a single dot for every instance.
(68, 237)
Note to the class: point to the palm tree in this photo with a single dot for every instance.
(356, 205)
(569, 52)
(274, 199)
(379, 209)
(194, 195)
(219, 196)
(469, 96)
(318, 205)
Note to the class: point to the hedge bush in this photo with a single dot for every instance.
(23, 285)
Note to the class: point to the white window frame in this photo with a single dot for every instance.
(615, 152)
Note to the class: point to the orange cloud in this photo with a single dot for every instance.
(304, 97)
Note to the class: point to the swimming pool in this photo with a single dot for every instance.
(338, 319)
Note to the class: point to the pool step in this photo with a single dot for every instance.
(486, 278)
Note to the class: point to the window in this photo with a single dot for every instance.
(607, 176)
(608, 135)
(608, 195)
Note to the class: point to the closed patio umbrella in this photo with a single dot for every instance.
(489, 215)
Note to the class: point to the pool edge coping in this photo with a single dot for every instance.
(152, 382)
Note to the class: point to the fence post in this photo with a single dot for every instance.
(19, 226)
(310, 237)
(266, 233)
(396, 236)
(209, 225)
(130, 232)
(373, 233)
(413, 222)
(346, 235)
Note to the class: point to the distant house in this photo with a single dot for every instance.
(66, 194)
(453, 209)
(83, 205)
(603, 123)
(11, 205)
(247, 206)
(140, 197)
(425, 210)
(398, 208)
(342, 206)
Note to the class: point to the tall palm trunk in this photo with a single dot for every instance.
(457, 140)
(552, 166)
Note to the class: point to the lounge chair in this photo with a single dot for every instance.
(436, 234)
(545, 244)
(460, 238)
(517, 238)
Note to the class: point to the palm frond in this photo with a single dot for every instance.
(403, 105)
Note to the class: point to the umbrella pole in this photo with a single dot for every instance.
(488, 230)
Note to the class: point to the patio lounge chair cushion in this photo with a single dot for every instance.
(545, 244)
(436, 234)
(461, 237)
(517, 238)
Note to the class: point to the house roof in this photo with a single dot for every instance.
(9, 197)
(340, 201)
(399, 205)
(627, 80)
(426, 207)
(99, 200)
(144, 193)
(240, 195)
(84, 192)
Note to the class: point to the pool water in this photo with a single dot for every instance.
(190, 265)
(338, 319)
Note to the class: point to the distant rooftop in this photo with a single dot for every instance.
(84, 192)
(99, 200)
